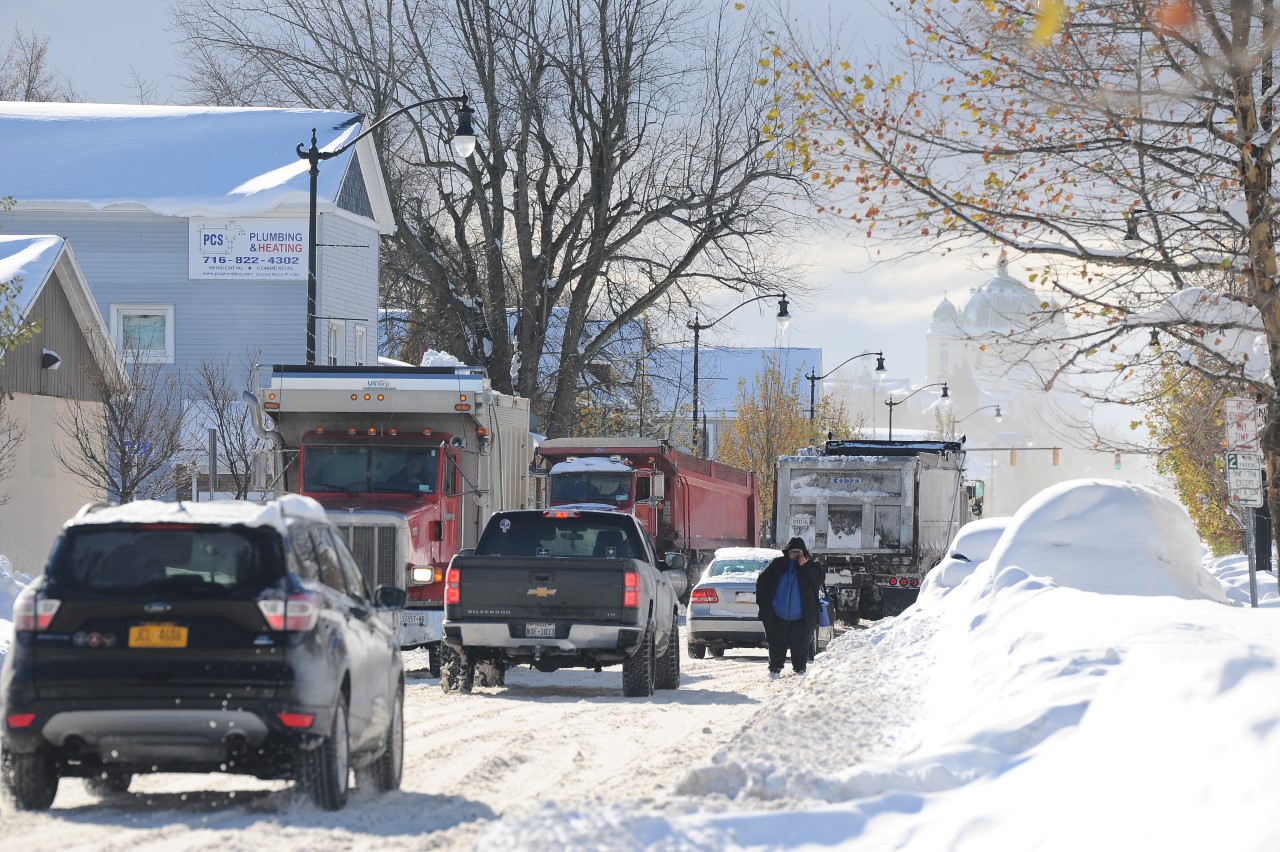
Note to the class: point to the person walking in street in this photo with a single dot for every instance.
(787, 593)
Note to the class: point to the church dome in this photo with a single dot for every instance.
(945, 313)
(1002, 302)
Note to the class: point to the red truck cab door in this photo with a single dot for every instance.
(447, 543)
(646, 508)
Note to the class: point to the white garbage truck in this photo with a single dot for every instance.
(878, 514)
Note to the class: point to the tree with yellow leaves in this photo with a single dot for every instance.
(772, 420)
(1188, 426)
(1128, 147)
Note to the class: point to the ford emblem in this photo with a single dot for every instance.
(156, 607)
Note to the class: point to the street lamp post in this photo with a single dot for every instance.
(997, 415)
(813, 380)
(463, 141)
(784, 318)
(892, 404)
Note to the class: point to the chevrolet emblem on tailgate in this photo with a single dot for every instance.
(542, 592)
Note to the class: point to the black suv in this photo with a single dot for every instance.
(202, 637)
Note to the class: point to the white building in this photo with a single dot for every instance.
(1035, 442)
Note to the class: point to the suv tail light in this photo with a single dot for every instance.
(631, 590)
(33, 611)
(705, 596)
(452, 591)
(298, 612)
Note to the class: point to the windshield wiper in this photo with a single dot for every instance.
(336, 487)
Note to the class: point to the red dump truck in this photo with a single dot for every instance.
(686, 504)
(409, 463)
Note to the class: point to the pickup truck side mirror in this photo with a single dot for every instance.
(674, 560)
(390, 597)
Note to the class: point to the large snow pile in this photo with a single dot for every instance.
(12, 581)
(1109, 537)
(1087, 686)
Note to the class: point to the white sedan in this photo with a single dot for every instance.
(722, 609)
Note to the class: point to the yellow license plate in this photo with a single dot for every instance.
(158, 636)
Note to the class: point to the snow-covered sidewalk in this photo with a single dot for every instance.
(1089, 686)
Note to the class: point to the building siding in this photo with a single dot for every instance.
(40, 495)
(344, 285)
(141, 258)
(79, 376)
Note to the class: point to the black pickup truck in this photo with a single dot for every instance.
(563, 588)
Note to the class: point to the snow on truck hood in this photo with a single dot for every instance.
(221, 512)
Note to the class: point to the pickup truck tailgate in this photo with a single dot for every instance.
(578, 589)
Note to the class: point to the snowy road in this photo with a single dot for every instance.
(567, 738)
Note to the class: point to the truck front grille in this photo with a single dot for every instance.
(374, 547)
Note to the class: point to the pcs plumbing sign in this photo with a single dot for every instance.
(248, 248)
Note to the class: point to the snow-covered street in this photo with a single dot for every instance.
(1098, 682)
(568, 739)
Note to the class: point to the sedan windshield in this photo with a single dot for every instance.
(736, 566)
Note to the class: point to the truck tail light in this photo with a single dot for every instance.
(296, 720)
(20, 720)
(452, 592)
(33, 611)
(298, 612)
(893, 581)
(631, 590)
(706, 596)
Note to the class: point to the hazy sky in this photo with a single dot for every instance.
(96, 43)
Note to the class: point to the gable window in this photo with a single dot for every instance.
(144, 329)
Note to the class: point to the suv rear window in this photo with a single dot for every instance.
(169, 558)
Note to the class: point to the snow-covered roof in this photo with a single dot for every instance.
(179, 160)
(31, 260)
(275, 513)
(747, 553)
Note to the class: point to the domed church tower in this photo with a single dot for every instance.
(944, 343)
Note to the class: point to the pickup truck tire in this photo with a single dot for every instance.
(433, 658)
(325, 771)
(638, 669)
(668, 674)
(717, 652)
(384, 774)
(30, 780)
(491, 673)
(457, 671)
(697, 650)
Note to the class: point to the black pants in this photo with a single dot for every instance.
(784, 636)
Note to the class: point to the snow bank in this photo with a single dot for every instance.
(1109, 537)
(1085, 686)
(12, 581)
